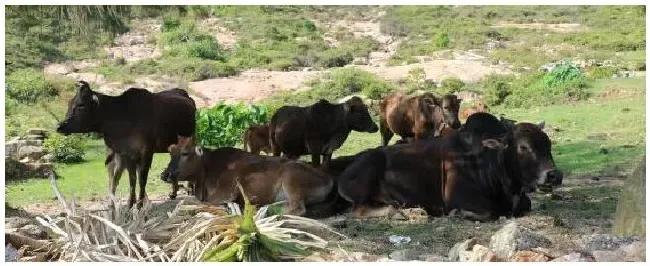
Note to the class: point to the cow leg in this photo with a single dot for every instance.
(131, 168)
(386, 134)
(296, 208)
(143, 171)
(473, 216)
(315, 159)
(522, 205)
(174, 192)
(327, 158)
(190, 188)
(115, 168)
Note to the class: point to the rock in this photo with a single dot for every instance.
(11, 149)
(455, 250)
(33, 231)
(16, 222)
(431, 258)
(395, 239)
(528, 256)
(37, 131)
(404, 255)
(479, 253)
(634, 251)
(59, 69)
(603, 242)
(32, 152)
(608, 256)
(630, 211)
(11, 254)
(512, 237)
(34, 137)
(360, 61)
(573, 257)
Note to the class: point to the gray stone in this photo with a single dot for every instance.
(16, 222)
(33, 231)
(404, 255)
(31, 142)
(573, 257)
(431, 258)
(479, 253)
(11, 254)
(512, 237)
(634, 251)
(37, 131)
(34, 137)
(603, 242)
(32, 152)
(608, 256)
(11, 149)
(455, 250)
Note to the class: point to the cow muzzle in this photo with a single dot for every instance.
(62, 128)
(550, 179)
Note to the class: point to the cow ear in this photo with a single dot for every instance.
(541, 124)
(347, 107)
(198, 150)
(95, 99)
(494, 144)
(171, 148)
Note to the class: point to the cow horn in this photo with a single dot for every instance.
(541, 124)
(198, 151)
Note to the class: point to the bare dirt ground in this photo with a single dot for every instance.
(560, 27)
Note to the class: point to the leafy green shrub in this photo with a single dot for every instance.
(206, 49)
(223, 125)
(66, 149)
(602, 72)
(565, 83)
(451, 85)
(28, 85)
(417, 80)
(348, 81)
(170, 23)
(336, 58)
(10, 106)
(213, 70)
(562, 73)
(496, 88)
(442, 40)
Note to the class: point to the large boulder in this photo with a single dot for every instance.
(31, 152)
(512, 237)
(479, 253)
(630, 211)
(454, 252)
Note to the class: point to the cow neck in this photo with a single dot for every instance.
(512, 166)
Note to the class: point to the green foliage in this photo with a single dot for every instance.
(451, 85)
(28, 85)
(565, 83)
(66, 149)
(602, 72)
(442, 40)
(223, 125)
(496, 88)
(417, 80)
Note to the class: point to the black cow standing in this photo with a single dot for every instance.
(318, 129)
(135, 125)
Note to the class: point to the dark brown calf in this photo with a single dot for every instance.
(256, 139)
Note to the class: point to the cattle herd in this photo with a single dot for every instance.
(479, 170)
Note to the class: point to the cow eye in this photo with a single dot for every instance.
(185, 153)
(523, 148)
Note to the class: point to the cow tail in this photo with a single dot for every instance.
(360, 181)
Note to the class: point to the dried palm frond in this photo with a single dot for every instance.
(187, 233)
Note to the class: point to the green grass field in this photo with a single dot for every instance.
(616, 124)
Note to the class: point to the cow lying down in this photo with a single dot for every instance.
(265, 179)
(471, 174)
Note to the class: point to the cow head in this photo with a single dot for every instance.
(357, 116)
(185, 163)
(450, 105)
(82, 110)
(533, 151)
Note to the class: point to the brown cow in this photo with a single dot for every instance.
(417, 117)
(318, 129)
(256, 139)
(479, 107)
(135, 125)
(265, 180)
(477, 177)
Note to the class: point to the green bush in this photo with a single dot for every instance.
(206, 49)
(451, 85)
(604, 72)
(496, 88)
(562, 73)
(442, 40)
(28, 85)
(66, 149)
(348, 81)
(565, 83)
(417, 80)
(10, 106)
(336, 58)
(223, 125)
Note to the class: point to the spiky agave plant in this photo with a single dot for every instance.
(256, 238)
